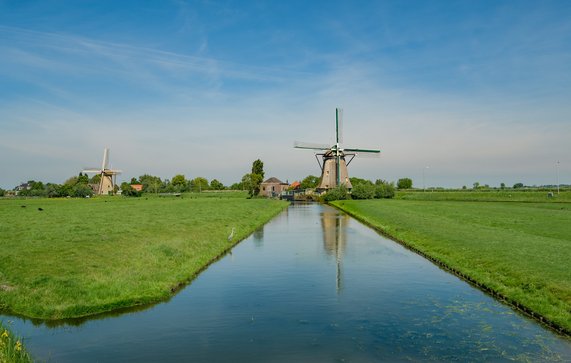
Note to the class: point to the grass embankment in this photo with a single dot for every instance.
(491, 195)
(78, 257)
(11, 348)
(519, 251)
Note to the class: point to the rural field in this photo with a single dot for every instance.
(520, 250)
(65, 258)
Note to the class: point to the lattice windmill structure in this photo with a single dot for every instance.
(334, 163)
(108, 176)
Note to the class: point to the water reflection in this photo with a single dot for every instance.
(334, 227)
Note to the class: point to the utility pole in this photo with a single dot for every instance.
(423, 186)
(557, 175)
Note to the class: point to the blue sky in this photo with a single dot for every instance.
(475, 90)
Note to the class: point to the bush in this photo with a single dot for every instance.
(363, 191)
(81, 191)
(339, 193)
(404, 183)
(384, 190)
(128, 191)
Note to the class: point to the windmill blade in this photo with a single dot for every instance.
(339, 123)
(113, 171)
(105, 158)
(91, 170)
(372, 151)
(310, 145)
(366, 153)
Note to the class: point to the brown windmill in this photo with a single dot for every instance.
(334, 165)
(108, 176)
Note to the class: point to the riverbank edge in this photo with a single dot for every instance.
(11, 347)
(527, 311)
(146, 301)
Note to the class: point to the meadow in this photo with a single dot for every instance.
(66, 258)
(490, 195)
(518, 251)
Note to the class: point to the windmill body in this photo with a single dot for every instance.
(107, 182)
(334, 158)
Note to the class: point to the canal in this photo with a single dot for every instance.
(312, 285)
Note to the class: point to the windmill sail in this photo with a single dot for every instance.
(334, 166)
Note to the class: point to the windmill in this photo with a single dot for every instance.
(334, 166)
(107, 182)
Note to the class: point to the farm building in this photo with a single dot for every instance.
(272, 187)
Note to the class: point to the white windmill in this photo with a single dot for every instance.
(108, 176)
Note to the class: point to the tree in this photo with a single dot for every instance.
(81, 190)
(96, 179)
(502, 185)
(518, 185)
(255, 178)
(476, 185)
(258, 168)
(384, 189)
(134, 181)
(309, 182)
(404, 183)
(2, 192)
(83, 178)
(179, 183)
(128, 191)
(357, 181)
(216, 185)
(151, 183)
(199, 184)
(251, 183)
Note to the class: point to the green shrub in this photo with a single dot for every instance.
(363, 191)
(384, 189)
(339, 193)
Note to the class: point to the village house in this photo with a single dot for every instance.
(272, 187)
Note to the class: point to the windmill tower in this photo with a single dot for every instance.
(108, 176)
(334, 165)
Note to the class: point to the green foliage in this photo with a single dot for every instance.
(518, 185)
(179, 183)
(476, 185)
(81, 190)
(404, 183)
(310, 182)
(96, 179)
(134, 181)
(384, 189)
(503, 186)
(82, 179)
(237, 186)
(128, 191)
(363, 191)
(520, 250)
(151, 183)
(87, 256)
(12, 349)
(258, 168)
(216, 185)
(2, 192)
(357, 181)
(251, 183)
(199, 184)
(338, 193)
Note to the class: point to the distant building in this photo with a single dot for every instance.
(272, 187)
(295, 185)
(137, 187)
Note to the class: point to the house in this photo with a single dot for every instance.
(272, 187)
(137, 187)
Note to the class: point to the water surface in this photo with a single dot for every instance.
(312, 285)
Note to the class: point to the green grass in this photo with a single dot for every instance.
(492, 195)
(11, 348)
(520, 250)
(80, 257)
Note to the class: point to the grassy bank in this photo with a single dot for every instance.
(11, 348)
(519, 250)
(491, 195)
(77, 257)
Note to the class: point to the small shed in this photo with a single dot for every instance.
(272, 187)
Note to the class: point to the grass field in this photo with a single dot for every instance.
(519, 250)
(78, 257)
(492, 195)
